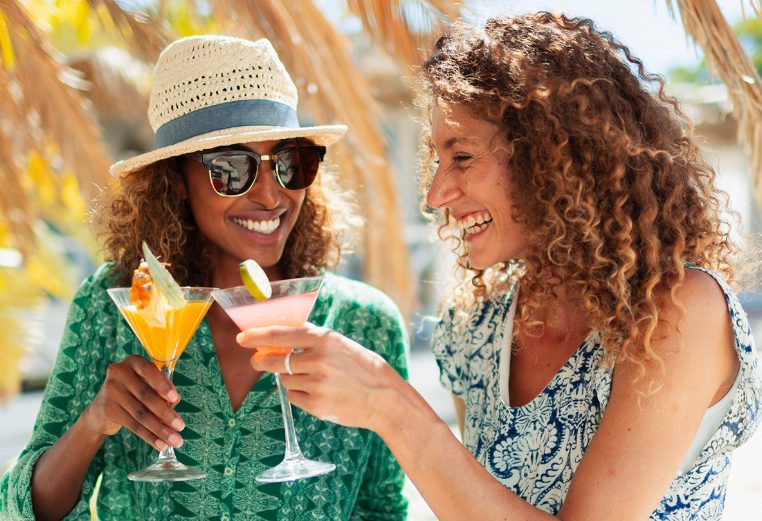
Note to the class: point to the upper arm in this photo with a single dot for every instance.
(72, 385)
(643, 438)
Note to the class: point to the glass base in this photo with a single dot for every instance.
(167, 470)
(291, 470)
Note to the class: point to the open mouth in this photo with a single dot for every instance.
(475, 223)
(265, 227)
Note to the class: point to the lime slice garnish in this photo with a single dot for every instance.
(163, 279)
(255, 280)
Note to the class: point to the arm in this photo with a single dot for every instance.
(380, 496)
(56, 473)
(626, 470)
(67, 392)
(135, 395)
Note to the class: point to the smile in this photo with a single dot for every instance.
(263, 227)
(475, 222)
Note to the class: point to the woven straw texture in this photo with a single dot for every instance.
(200, 72)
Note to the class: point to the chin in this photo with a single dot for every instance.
(483, 262)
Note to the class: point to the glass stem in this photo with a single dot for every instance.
(292, 445)
(168, 452)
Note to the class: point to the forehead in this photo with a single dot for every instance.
(451, 124)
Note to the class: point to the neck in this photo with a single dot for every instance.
(561, 318)
(226, 274)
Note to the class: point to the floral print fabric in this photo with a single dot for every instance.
(534, 449)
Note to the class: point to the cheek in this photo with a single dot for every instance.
(296, 199)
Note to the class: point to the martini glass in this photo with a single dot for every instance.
(290, 305)
(164, 341)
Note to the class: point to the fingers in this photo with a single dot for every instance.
(138, 419)
(137, 396)
(154, 378)
(273, 363)
(144, 393)
(306, 337)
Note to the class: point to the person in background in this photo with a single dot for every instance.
(602, 367)
(234, 176)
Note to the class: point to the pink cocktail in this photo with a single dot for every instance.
(288, 310)
(290, 305)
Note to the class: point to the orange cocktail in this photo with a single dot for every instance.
(165, 343)
(164, 331)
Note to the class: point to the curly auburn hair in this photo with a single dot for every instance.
(608, 184)
(150, 205)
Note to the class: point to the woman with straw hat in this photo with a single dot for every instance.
(601, 366)
(233, 177)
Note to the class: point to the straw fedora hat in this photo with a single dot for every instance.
(210, 91)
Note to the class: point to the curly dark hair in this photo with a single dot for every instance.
(608, 182)
(149, 205)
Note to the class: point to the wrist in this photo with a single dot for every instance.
(89, 428)
(399, 409)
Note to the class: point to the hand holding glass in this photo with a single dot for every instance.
(290, 305)
(164, 345)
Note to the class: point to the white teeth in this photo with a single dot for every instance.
(475, 223)
(265, 227)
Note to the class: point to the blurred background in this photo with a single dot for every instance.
(74, 81)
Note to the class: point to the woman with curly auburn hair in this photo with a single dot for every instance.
(234, 177)
(601, 366)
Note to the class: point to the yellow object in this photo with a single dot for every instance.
(165, 344)
(167, 285)
(6, 47)
(255, 279)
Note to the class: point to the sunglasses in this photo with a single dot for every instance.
(233, 172)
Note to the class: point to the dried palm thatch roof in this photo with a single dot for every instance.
(705, 23)
(46, 105)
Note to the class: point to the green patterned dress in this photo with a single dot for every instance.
(232, 447)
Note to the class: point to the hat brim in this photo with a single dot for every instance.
(322, 135)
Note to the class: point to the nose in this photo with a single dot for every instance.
(443, 189)
(266, 190)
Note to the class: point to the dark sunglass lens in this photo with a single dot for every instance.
(297, 168)
(231, 173)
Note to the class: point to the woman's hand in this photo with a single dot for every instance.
(136, 395)
(334, 378)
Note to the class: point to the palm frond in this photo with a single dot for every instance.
(52, 100)
(705, 23)
(142, 31)
(403, 29)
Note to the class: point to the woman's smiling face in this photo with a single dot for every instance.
(255, 225)
(473, 182)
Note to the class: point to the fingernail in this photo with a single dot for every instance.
(239, 338)
(160, 445)
(178, 424)
(172, 396)
(175, 440)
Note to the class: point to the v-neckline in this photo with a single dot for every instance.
(265, 383)
(504, 361)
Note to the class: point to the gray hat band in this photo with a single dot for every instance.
(231, 114)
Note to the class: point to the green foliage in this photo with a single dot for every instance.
(749, 32)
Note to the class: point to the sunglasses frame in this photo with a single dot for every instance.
(205, 158)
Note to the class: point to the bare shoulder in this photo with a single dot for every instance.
(696, 340)
(650, 423)
(706, 325)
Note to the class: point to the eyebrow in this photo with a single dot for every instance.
(455, 140)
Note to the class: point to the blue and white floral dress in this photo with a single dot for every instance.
(534, 449)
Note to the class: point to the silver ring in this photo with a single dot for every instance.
(287, 362)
